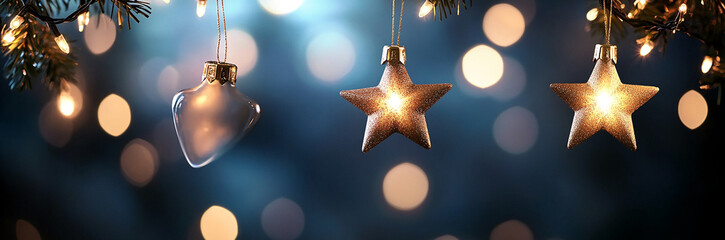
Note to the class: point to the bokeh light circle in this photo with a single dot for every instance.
(280, 7)
(692, 109)
(515, 130)
(168, 83)
(511, 230)
(54, 127)
(283, 219)
(405, 186)
(512, 82)
(482, 66)
(100, 34)
(114, 115)
(218, 223)
(503, 24)
(243, 51)
(139, 162)
(25, 230)
(446, 237)
(330, 56)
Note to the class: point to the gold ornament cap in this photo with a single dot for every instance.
(393, 53)
(220, 71)
(605, 52)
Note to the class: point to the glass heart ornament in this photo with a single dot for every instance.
(213, 116)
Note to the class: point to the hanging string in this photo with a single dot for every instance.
(400, 23)
(219, 30)
(608, 27)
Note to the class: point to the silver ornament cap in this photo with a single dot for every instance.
(393, 53)
(605, 52)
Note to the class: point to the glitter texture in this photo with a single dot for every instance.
(603, 103)
(396, 105)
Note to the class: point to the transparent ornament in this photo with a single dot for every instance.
(213, 116)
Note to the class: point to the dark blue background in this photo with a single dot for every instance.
(306, 146)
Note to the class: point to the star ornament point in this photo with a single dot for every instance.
(396, 105)
(603, 103)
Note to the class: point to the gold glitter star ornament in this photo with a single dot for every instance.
(396, 104)
(603, 102)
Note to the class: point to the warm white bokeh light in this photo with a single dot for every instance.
(692, 109)
(280, 7)
(100, 34)
(25, 230)
(592, 14)
(516, 130)
(706, 64)
(482, 66)
(330, 56)
(139, 162)
(53, 126)
(646, 48)
(200, 8)
(16, 22)
(168, 83)
(242, 51)
(70, 100)
(511, 230)
(114, 115)
(405, 186)
(218, 223)
(503, 24)
(62, 44)
(512, 82)
(283, 219)
(426, 8)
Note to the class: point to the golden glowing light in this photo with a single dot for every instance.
(511, 230)
(25, 230)
(482, 66)
(66, 106)
(280, 7)
(218, 223)
(100, 34)
(62, 44)
(200, 8)
(692, 109)
(9, 37)
(16, 22)
(706, 64)
(167, 1)
(646, 48)
(426, 8)
(283, 219)
(394, 102)
(70, 100)
(83, 20)
(683, 8)
(503, 24)
(640, 4)
(114, 115)
(592, 14)
(139, 162)
(604, 101)
(405, 186)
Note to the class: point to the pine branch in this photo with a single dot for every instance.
(443, 8)
(30, 49)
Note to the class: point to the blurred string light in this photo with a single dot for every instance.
(62, 43)
(16, 22)
(503, 24)
(70, 100)
(139, 162)
(511, 230)
(405, 186)
(482, 66)
(83, 20)
(218, 223)
(515, 130)
(100, 34)
(25, 230)
(55, 129)
(426, 8)
(280, 7)
(330, 56)
(200, 8)
(592, 14)
(706, 64)
(283, 219)
(114, 115)
(646, 48)
(692, 109)
(640, 4)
